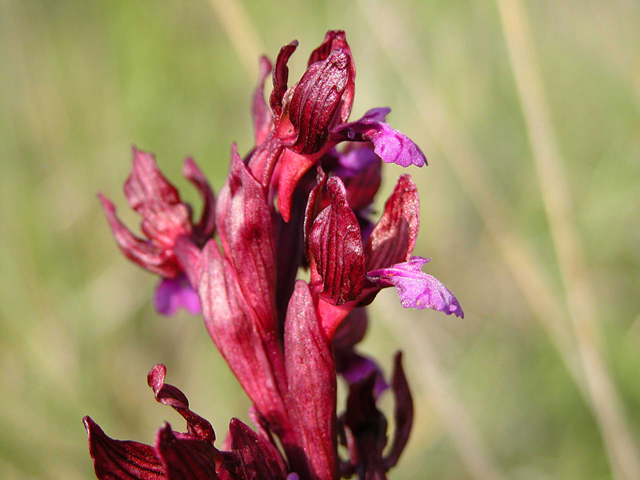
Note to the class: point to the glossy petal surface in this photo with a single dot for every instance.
(336, 254)
(121, 460)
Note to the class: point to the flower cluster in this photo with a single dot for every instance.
(301, 198)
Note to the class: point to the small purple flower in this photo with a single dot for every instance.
(175, 293)
(390, 145)
(415, 288)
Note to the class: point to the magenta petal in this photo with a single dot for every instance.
(390, 145)
(415, 288)
(393, 146)
(378, 114)
(175, 293)
(361, 171)
(116, 459)
(354, 160)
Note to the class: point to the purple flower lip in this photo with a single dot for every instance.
(390, 145)
(415, 288)
(175, 293)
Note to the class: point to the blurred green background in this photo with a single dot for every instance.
(529, 115)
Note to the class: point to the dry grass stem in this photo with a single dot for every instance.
(556, 196)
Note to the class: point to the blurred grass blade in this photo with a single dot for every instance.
(556, 197)
(244, 37)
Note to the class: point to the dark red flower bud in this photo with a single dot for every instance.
(316, 100)
(165, 220)
(333, 40)
(336, 255)
(367, 427)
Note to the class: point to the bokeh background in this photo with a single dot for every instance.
(529, 113)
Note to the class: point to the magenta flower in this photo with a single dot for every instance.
(286, 340)
(415, 288)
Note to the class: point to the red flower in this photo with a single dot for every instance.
(165, 218)
(285, 339)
